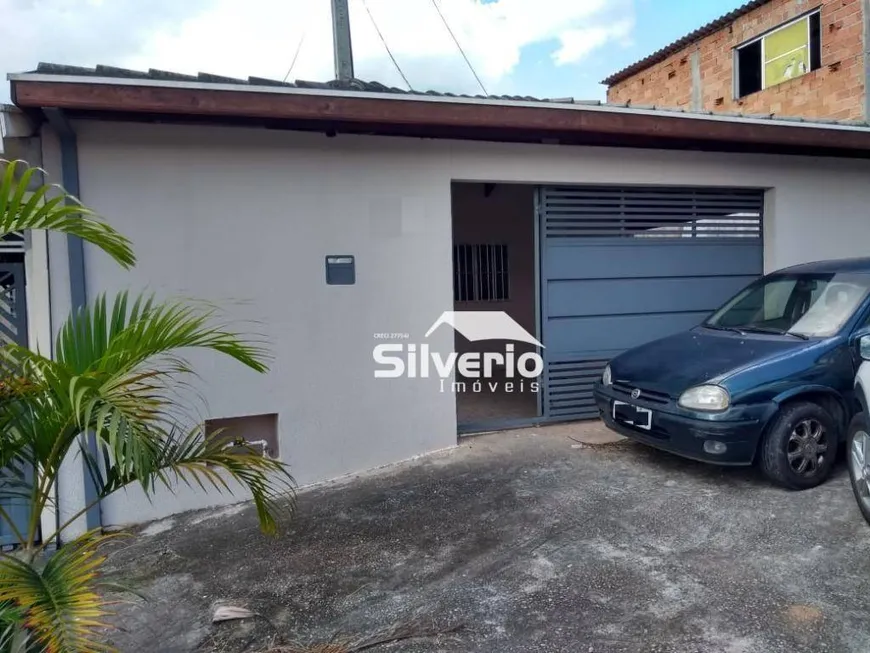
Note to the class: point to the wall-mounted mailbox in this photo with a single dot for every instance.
(340, 270)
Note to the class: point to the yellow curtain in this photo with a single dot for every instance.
(787, 53)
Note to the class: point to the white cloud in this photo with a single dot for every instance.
(577, 43)
(83, 32)
(259, 37)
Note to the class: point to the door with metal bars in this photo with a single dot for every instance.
(480, 273)
(13, 329)
(622, 266)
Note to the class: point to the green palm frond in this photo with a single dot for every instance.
(14, 636)
(119, 375)
(205, 463)
(116, 374)
(105, 338)
(57, 599)
(50, 207)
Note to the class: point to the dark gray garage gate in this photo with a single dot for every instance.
(621, 266)
(13, 329)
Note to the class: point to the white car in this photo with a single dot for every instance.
(858, 442)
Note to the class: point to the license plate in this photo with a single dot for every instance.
(632, 415)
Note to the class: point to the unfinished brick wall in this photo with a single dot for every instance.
(835, 91)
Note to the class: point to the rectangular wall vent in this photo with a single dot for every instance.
(259, 432)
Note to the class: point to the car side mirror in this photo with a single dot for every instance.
(864, 347)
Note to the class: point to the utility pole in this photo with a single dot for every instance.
(341, 40)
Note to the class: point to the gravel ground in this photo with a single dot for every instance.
(518, 542)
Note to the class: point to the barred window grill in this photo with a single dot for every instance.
(481, 273)
(654, 212)
(13, 242)
(13, 321)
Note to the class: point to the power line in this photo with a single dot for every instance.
(295, 56)
(453, 36)
(386, 47)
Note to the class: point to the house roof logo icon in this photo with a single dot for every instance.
(485, 325)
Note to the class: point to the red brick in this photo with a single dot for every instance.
(821, 93)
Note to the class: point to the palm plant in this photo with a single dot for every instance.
(49, 207)
(115, 374)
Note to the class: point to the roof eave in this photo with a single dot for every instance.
(684, 42)
(417, 113)
(544, 105)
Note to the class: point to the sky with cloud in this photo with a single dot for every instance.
(551, 48)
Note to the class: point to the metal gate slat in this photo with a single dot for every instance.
(667, 224)
(13, 329)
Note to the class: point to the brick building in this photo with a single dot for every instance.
(804, 58)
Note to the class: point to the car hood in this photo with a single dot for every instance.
(678, 362)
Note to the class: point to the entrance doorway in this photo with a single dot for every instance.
(494, 269)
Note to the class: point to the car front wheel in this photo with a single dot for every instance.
(858, 445)
(798, 450)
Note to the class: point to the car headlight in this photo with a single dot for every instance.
(607, 377)
(712, 398)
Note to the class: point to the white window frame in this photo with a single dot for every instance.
(809, 46)
(762, 37)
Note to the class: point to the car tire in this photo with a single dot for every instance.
(859, 430)
(799, 448)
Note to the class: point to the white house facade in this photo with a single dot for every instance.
(329, 235)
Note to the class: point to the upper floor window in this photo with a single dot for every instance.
(784, 53)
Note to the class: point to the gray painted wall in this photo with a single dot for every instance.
(71, 481)
(241, 219)
(244, 217)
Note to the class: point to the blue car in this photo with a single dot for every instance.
(768, 378)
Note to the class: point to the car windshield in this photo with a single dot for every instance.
(804, 305)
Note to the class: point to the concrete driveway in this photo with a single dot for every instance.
(522, 541)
